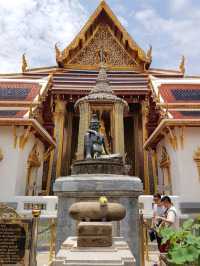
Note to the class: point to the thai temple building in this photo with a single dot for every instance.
(157, 133)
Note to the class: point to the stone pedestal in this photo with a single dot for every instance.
(94, 234)
(87, 187)
(99, 166)
(118, 254)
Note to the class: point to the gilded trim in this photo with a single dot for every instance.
(125, 36)
(29, 122)
(164, 124)
(196, 158)
(1, 154)
(165, 166)
(145, 111)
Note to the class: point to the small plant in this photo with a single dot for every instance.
(184, 244)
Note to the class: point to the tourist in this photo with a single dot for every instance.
(171, 218)
(158, 210)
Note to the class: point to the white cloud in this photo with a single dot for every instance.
(33, 27)
(171, 36)
(179, 5)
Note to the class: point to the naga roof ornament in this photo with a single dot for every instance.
(24, 65)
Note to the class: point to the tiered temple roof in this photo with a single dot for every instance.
(20, 101)
(179, 97)
(128, 68)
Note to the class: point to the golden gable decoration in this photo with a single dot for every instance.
(115, 55)
(103, 31)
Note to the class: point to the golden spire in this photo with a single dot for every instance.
(182, 65)
(59, 56)
(149, 52)
(24, 66)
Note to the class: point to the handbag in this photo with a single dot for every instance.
(152, 234)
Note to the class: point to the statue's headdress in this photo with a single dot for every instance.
(94, 122)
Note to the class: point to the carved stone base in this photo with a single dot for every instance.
(99, 166)
(94, 234)
(119, 254)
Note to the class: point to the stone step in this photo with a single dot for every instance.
(92, 263)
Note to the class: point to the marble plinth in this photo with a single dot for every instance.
(118, 254)
(117, 188)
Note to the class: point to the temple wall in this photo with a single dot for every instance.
(13, 167)
(183, 169)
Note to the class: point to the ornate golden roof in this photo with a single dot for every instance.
(103, 30)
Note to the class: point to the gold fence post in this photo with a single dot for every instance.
(146, 243)
(36, 217)
(142, 240)
(52, 251)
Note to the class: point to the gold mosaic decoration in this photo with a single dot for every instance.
(114, 53)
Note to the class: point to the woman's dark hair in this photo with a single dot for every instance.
(166, 198)
(157, 195)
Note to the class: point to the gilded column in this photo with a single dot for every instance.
(155, 169)
(67, 143)
(145, 136)
(118, 116)
(84, 111)
(59, 123)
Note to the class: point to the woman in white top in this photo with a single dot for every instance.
(171, 218)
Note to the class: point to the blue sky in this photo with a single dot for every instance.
(172, 27)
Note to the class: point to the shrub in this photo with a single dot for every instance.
(184, 244)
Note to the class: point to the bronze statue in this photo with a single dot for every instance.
(94, 143)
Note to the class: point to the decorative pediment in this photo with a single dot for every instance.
(103, 40)
(103, 31)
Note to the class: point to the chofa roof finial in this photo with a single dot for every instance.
(24, 65)
(149, 52)
(182, 65)
(59, 56)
